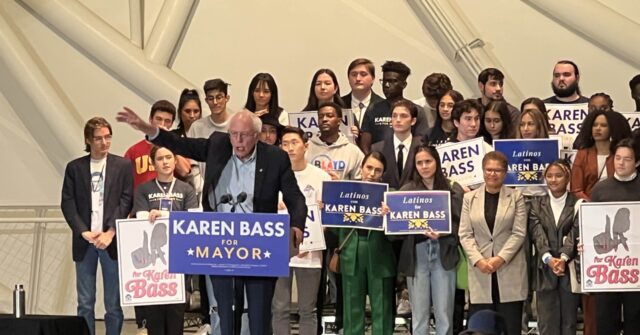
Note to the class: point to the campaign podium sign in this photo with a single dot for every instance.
(231, 244)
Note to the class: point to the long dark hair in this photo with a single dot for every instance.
(312, 102)
(274, 107)
(618, 129)
(455, 96)
(186, 96)
(502, 109)
(440, 182)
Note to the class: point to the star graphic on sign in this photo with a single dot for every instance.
(267, 254)
(190, 251)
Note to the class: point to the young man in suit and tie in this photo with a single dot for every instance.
(397, 148)
(238, 163)
(97, 190)
(361, 99)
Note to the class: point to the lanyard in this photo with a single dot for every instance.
(166, 194)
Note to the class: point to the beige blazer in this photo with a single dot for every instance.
(506, 241)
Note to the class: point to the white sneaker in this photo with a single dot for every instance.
(142, 331)
(404, 307)
(203, 330)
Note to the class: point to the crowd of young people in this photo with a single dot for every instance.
(514, 241)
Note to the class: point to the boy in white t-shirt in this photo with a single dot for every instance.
(305, 265)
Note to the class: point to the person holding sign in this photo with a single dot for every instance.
(467, 116)
(493, 225)
(443, 126)
(153, 200)
(307, 266)
(552, 230)
(262, 98)
(594, 161)
(241, 173)
(429, 261)
(368, 266)
(532, 124)
(623, 186)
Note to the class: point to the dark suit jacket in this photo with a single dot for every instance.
(391, 176)
(449, 255)
(76, 199)
(374, 99)
(273, 172)
(548, 236)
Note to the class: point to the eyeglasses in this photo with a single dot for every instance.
(494, 171)
(211, 98)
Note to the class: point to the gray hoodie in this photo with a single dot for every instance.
(341, 157)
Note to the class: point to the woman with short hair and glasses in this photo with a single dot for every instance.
(493, 225)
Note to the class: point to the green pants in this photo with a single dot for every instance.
(355, 290)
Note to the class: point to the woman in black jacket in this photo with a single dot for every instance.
(429, 261)
(552, 230)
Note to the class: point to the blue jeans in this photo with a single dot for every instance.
(431, 282)
(86, 289)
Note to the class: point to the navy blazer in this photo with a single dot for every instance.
(76, 199)
(273, 172)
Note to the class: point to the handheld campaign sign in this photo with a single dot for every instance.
(313, 234)
(527, 159)
(569, 155)
(633, 119)
(353, 204)
(566, 119)
(416, 211)
(611, 246)
(308, 122)
(143, 264)
(229, 244)
(462, 161)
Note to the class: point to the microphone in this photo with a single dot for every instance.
(240, 198)
(224, 199)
